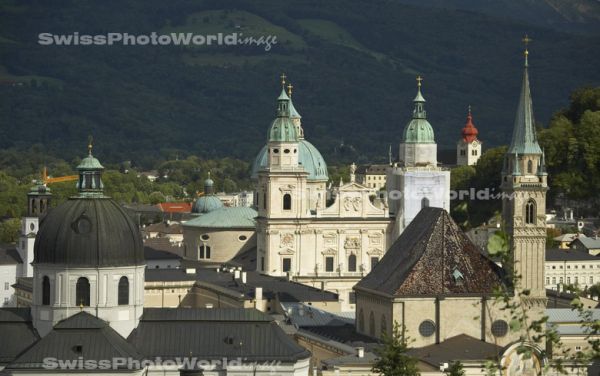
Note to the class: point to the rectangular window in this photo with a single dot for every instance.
(591, 280)
(554, 280)
(6, 285)
(560, 280)
(352, 297)
(328, 264)
(547, 280)
(287, 264)
(568, 280)
(374, 261)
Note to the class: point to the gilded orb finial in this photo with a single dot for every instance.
(283, 77)
(90, 144)
(81, 305)
(290, 87)
(419, 80)
(526, 40)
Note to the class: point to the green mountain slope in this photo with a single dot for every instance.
(352, 65)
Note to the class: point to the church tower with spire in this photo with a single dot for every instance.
(415, 181)
(524, 186)
(468, 148)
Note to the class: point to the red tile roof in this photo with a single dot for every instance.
(175, 207)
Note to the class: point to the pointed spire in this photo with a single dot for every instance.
(469, 132)
(524, 138)
(542, 167)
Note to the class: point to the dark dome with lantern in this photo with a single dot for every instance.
(90, 229)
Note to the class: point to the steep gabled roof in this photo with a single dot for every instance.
(433, 257)
(16, 332)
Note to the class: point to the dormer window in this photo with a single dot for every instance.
(458, 277)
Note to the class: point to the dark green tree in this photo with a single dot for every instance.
(393, 358)
(455, 369)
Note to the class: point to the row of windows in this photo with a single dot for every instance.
(329, 263)
(574, 266)
(82, 291)
(575, 280)
(463, 152)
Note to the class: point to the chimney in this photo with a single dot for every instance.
(244, 277)
(258, 293)
(360, 352)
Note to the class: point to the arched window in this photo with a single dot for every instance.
(529, 167)
(424, 202)
(361, 321)
(287, 201)
(383, 326)
(530, 212)
(82, 292)
(45, 291)
(123, 291)
(352, 263)
(372, 324)
(204, 251)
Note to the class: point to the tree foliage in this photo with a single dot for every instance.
(393, 358)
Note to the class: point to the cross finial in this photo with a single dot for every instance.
(290, 87)
(526, 40)
(419, 79)
(469, 109)
(283, 77)
(90, 144)
(81, 304)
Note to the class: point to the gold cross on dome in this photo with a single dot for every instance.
(290, 87)
(283, 77)
(419, 79)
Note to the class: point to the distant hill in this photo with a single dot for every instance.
(352, 63)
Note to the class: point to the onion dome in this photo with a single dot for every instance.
(469, 132)
(208, 202)
(89, 230)
(418, 130)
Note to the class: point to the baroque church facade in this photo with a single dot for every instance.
(328, 245)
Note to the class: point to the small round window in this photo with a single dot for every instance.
(499, 328)
(83, 225)
(275, 151)
(286, 151)
(427, 328)
(32, 226)
(205, 237)
(242, 237)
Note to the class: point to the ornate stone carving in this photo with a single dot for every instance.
(352, 243)
(287, 188)
(287, 240)
(352, 203)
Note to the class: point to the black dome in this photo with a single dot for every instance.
(89, 232)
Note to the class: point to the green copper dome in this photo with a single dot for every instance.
(283, 128)
(418, 130)
(308, 157)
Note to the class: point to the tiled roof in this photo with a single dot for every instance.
(164, 228)
(175, 207)
(9, 256)
(97, 341)
(213, 334)
(589, 243)
(15, 324)
(461, 347)
(557, 254)
(431, 257)
(160, 249)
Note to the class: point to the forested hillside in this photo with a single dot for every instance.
(352, 64)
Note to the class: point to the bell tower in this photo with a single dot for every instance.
(524, 184)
